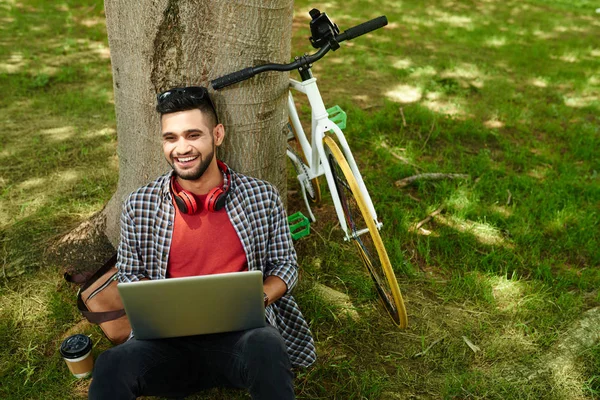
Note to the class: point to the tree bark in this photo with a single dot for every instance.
(159, 44)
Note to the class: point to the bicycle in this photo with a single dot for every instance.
(322, 156)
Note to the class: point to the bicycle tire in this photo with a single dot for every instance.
(370, 247)
(315, 196)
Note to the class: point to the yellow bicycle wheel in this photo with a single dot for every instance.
(313, 189)
(370, 246)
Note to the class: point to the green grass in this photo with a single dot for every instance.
(506, 92)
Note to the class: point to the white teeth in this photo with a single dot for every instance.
(186, 159)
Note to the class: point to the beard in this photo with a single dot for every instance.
(198, 171)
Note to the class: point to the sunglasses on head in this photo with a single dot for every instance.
(196, 92)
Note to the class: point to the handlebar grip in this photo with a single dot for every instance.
(232, 78)
(363, 28)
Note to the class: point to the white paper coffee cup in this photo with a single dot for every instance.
(76, 350)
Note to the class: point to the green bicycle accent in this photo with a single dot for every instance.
(338, 116)
(299, 225)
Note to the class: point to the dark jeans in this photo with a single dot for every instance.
(256, 360)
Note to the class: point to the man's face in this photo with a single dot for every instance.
(188, 143)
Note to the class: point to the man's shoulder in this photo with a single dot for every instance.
(149, 191)
(251, 184)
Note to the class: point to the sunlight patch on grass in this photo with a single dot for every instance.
(457, 21)
(91, 22)
(31, 183)
(29, 308)
(103, 132)
(544, 35)
(40, 190)
(560, 221)
(563, 362)
(402, 63)
(466, 72)
(5, 216)
(14, 63)
(539, 82)
(405, 94)
(100, 49)
(7, 4)
(39, 28)
(510, 343)
(332, 60)
(434, 95)
(82, 56)
(484, 233)
(421, 72)
(445, 107)
(362, 98)
(459, 200)
(414, 21)
(502, 210)
(507, 292)
(567, 57)
(493, 124)
(495, 41)
(392, 25)
(569, 379)
(55, 180)
(565, 29)
(580, 101)
(338, 299)
(540, 172)
(60, 133)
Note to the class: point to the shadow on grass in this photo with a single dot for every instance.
(505, 92)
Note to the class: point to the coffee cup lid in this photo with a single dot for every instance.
(75, 346)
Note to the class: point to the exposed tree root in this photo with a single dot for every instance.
(84, 249)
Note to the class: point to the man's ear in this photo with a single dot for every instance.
(219, 134)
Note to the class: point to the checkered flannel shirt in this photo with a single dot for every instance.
(257, 214)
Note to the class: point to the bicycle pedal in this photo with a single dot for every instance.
(299, 225)
(337, 116)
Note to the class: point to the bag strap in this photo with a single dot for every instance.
(86, 278)
(101, 271)
(97, 317)
(101, 316)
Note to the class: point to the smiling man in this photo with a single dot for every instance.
(204, 218)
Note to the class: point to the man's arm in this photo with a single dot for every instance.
(129, 264)
(281, 270)
(274, 287)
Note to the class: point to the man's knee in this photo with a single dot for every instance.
(268, 368)
(265, 345)
(266, 338)
(110, 377)
(107, 364)
(116, 362)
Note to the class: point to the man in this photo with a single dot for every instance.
(203, 218)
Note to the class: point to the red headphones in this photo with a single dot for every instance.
(215, 199)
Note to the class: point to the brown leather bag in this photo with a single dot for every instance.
(100, 303)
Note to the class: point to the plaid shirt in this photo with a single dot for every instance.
(256, 213)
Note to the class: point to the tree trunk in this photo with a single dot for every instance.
(159, 44)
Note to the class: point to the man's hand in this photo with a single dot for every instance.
(274, 287)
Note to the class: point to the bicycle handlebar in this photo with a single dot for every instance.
(304, 61)
(232, 78)
(363, 28)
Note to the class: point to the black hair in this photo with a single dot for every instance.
(184, 99)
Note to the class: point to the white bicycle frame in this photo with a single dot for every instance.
(315, 154)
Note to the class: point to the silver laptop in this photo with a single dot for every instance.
(194, 305)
